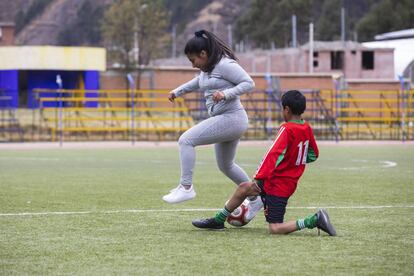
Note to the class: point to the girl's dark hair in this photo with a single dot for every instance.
(295, 101)
(214, 47)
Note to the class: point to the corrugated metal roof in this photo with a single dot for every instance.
(7, 24)
(408, 33)
(337, 46)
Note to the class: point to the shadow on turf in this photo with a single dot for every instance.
(259, 230)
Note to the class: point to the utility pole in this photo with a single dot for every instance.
(311, 48)
(215, 27)
(294, 33)
(59, 82)
(174, 41)
(230, 36)
(343, 24)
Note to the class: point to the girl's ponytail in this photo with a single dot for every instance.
(209, 42)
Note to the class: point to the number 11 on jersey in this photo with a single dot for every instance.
(302, 153)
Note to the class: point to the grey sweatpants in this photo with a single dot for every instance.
(222, 130)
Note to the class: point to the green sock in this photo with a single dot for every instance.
(222, 215)
(308, 222)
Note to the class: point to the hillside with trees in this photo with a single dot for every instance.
(268, 23)
(257, 23)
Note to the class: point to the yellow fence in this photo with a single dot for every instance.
(114, 114)
(148, 115)
(365, 114)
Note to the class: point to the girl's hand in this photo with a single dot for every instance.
(171, 97)
(218, 96)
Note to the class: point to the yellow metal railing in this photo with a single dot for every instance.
(147, 114)
(129, 114)
(380, 114)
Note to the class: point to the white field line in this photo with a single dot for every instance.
(172, 144)
(380, 163)
(191, 210)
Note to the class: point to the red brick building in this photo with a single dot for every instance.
(6, 34)
(351, 59)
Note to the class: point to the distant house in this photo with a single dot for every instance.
(352, 59)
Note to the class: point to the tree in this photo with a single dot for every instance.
(268, 22)
(328, 18)
(183, 11)
(35, 9)
(134, 31)
(387, 16)
(328, 27)
(85, 30)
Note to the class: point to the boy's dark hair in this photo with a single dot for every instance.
(295, 101)
(214, 47)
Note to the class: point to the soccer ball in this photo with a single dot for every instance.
(238, 216)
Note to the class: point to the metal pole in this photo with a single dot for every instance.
(269, 90)
(131, 87)
(343, 25)
(60, 85)
(311, 48)
(253, 65)
(268, 63)
(136, 47)
(215, 27)
(174, 41)
(294, 33)
(230, 36)
(60, 120)
(401, 78)
(337, 106)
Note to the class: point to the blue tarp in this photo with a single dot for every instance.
(38, 79)
(47, 80)
(91, 79)
(9, 84)
(70, 80)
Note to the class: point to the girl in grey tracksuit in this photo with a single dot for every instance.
(223, 81)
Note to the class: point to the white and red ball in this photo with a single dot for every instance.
(238, 216)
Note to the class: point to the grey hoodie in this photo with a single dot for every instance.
(227, 76)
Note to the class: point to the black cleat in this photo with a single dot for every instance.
(209, 223)
(323, 223)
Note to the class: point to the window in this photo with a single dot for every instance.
(315, 63)
(315, 54)
(337, 60)
(368, 60)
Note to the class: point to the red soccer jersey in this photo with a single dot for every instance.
(284, 163)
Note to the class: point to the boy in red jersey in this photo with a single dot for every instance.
(277, 176)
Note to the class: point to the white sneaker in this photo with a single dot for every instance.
(179, 194)
(254, 208)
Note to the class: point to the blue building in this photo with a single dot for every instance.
(23, 69)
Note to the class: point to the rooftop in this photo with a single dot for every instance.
(52, 58)
(7, 24)
(408, 33)
(337, 46)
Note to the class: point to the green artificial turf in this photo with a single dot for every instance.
(99, 212)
